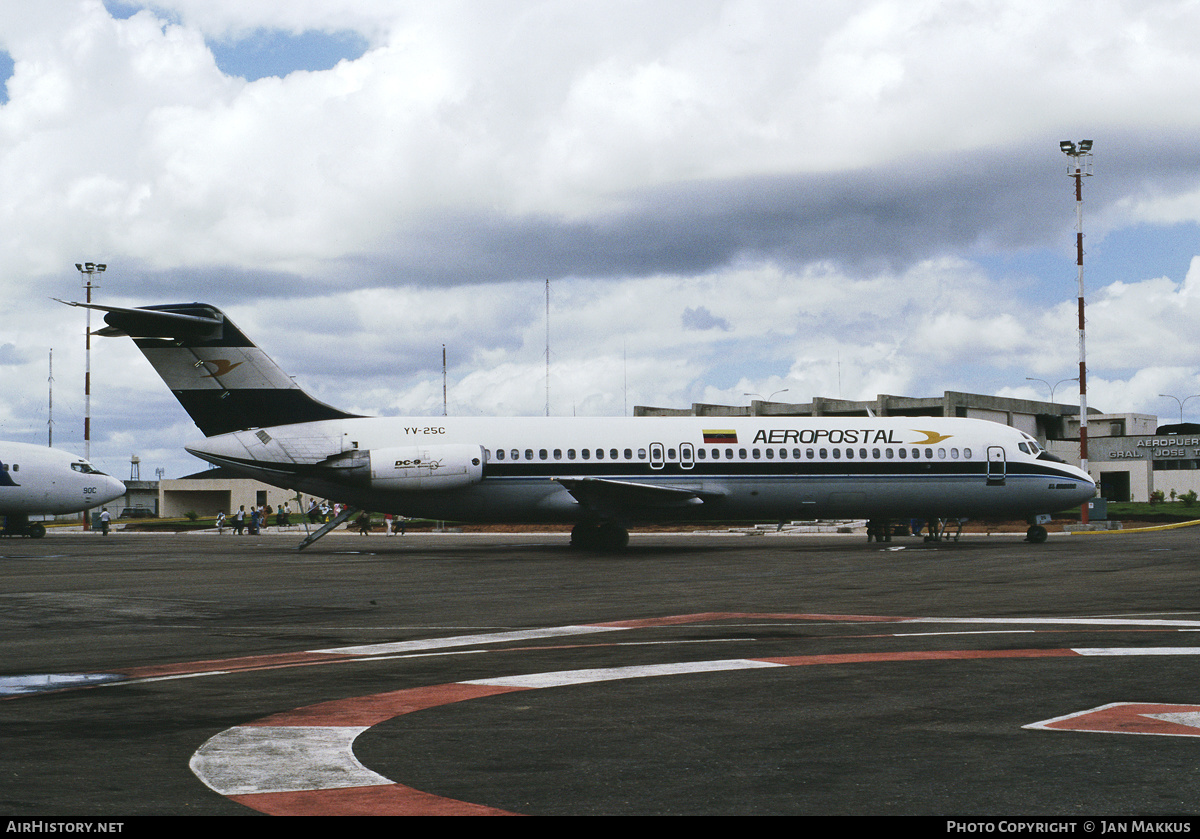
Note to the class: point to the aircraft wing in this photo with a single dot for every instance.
(610, 497)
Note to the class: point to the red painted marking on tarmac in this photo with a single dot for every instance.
(915, 655)
(394, 800)
(708, 617)
(1126, 718)
(372, 710)
(252, 662)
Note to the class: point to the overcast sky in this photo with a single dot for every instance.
(840, 199)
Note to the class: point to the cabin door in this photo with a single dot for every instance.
(996, 466)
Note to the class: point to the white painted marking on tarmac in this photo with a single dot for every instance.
(39, 682)
(468, 640)
(1140, 718)
(1065, 621)
(1137, 651)
(1188, 718)
(258, 759)
(967, 632)
(250, 759)
(607, 674)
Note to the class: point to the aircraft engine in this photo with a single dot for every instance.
(405, 468)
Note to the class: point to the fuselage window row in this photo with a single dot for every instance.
(837, 453)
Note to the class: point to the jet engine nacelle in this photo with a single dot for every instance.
(405, 468)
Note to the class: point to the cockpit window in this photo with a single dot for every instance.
(86, 468)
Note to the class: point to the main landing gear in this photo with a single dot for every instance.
(606, 536)
(22, 526)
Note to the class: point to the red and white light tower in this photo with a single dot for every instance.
(1079, 168)
(90, 272)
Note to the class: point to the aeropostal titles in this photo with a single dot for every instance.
(832, 436)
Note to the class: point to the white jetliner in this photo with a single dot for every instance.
(601, 474)
(36, 480)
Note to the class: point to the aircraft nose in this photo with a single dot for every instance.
(115, 489)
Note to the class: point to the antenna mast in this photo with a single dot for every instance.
(50, 419)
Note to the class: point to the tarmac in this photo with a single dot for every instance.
(691, 675)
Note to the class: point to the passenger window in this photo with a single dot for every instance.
(499, 454)
(889, 454)
(570, 454)
(929, 454)
(641, 454)
(916, 454)
(612, 454)
(849, 453)
(954, 454)
(810, 454)
(585, 454)
(742, 454)
(824, 454)
(863, 453)
(941, 454)
(903, 453)
(516, 455)
(966, 454)
(629, 454)
(543, 454)
(875, 454)
(700, 455)
(599, 454)
(729, 454)
(756, 454)
(529, 454)
(796, 454)
(837, 454)
(558, 454)
(670, 454)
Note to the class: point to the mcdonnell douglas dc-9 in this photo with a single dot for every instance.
(601, 474)
(36, 480)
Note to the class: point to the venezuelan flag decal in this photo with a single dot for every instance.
(719, 436)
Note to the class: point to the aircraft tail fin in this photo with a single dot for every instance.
(220, 377)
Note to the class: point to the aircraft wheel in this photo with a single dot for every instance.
(1036, 534)
(584, 536)
(612, 537)
(602, 537)
(37, 530)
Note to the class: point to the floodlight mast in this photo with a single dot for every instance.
(1079, 168)
(90, 272)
